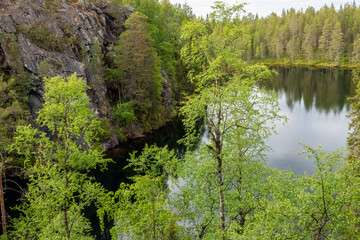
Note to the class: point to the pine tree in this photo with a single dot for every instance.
(337, 43)
(356, 49)
(12, 114)
(97, 71)
(22, 81)
(139, 67)
(325, 40)
(45, 69)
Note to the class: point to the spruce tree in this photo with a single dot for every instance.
(139, 67)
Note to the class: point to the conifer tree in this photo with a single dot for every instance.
(356, 49)
(337, 43)
(139, 67)
(12, 114)
(22, 80)
(97, 71)
(325, 40)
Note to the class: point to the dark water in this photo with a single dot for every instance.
(167, 135)
(116, 174)
(315, 101)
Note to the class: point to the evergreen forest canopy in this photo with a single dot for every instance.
(222, 188)
(325, 37)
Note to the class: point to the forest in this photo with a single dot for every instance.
(327, 37)
(150, 62)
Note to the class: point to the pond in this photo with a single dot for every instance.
(315, 101)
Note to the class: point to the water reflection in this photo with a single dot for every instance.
(315, 101)
(325, 89)
(116, 174)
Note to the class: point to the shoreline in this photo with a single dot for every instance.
(314, 65)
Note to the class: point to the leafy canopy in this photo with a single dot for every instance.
(57, 159)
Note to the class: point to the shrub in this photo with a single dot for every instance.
(40, 35)
(123, 113)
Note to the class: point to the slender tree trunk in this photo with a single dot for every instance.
(119, 92)
(221, 195)
(66, 222)
(2, 205)
(218, 146)
(153, 214)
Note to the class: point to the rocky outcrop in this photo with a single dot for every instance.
(56, 33)
(59, 32)
(80, 22)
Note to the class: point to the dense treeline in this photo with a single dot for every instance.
(145, 67)
(222, 188)
(137, 84)
(327, 36)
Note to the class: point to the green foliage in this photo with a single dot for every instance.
(139, 68)
(326, 36)
(106, 126)
(22, 81)
(57, 164)
(41, 36)
(12, 113)
(51, 5)
(320, 206)
(123, 113)
(238, 122)
(223, 188)
(353, 138)
(96, 65)
(224, 175)
(165, 22)
(226, 192)
(141, 208)
(153, 161)
(4, 237)
(356, 52)
(145, 66)
(70, 38)
(45, 69)
(223, 12)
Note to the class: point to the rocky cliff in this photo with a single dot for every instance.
(56, 33)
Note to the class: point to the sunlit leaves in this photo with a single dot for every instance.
(57, 162)
(141, 209)
(309, 206)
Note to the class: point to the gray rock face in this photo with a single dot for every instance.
(73, 25)
(80, 21)
(112, 142)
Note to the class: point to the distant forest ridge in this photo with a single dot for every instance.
(324, 36)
